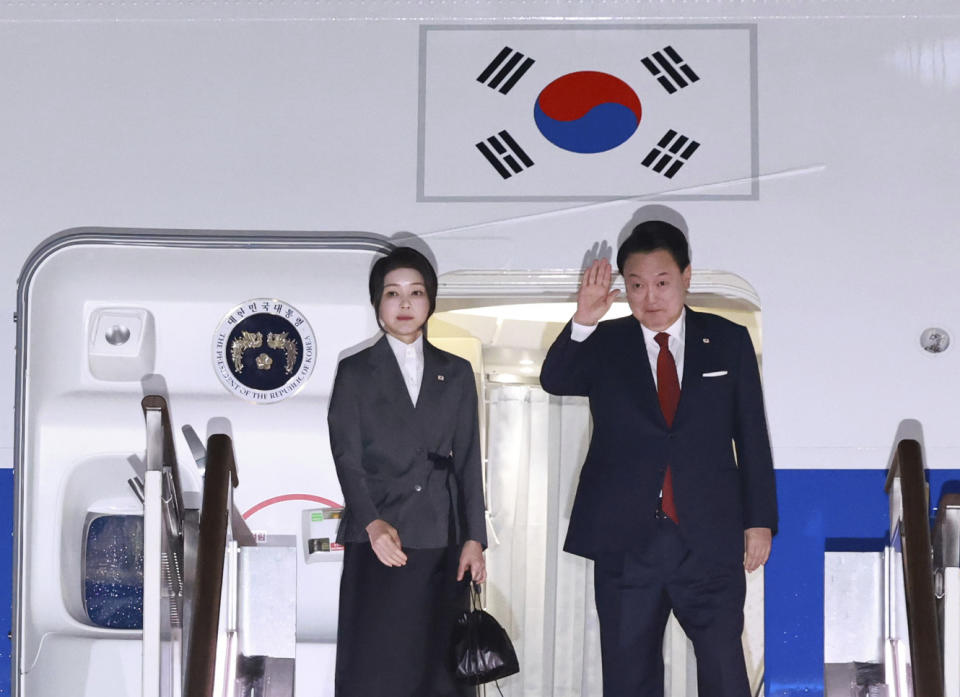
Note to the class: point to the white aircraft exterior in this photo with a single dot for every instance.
(163, 165)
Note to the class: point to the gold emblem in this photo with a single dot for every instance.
(280, 341)
(248, 340)
(270, 361)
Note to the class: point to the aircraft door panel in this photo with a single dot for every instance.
(108, 316)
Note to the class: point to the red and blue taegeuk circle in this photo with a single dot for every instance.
(587, 112)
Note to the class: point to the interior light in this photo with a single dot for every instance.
(537, 312)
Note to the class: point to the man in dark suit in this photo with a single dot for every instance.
(677, 492)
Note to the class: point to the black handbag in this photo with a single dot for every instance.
(481, 648)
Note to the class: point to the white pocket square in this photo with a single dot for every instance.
(715, 374)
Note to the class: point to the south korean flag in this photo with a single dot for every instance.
(587, 112)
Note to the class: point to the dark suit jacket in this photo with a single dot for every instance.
(407, 465)
(718, 491)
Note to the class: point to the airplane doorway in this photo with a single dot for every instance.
(534, 444)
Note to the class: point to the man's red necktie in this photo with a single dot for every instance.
(668, 391)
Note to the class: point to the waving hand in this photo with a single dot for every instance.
(595, 297)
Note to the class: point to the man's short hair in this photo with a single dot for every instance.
(652, 235)
(402, 258)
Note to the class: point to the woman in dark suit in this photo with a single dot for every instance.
(405, 441)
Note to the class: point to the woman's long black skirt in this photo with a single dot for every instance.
(395, 624)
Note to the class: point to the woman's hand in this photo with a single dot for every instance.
(385, 543)
(471, 559)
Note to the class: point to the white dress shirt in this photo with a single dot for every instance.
(677, 332)
(410, 359)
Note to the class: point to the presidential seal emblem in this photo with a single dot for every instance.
(264, 350)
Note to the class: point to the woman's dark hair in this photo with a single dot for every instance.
(402, 258)
(652, 235)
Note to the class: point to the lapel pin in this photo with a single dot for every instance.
(440, 378)
(706, 340)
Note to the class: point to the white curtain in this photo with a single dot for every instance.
(542, 596)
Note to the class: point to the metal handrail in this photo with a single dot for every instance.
(221, 474)
(946, 537)
(163, 543)
(946, 557)
(154, 402)
(922, 621)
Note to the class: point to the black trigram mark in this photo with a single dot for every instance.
(666, 66)
(501, 149)
(670, 154)
(504, 70)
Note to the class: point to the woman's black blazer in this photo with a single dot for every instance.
(403, 464)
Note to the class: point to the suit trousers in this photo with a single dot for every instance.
(396, 623)
(635, 593)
